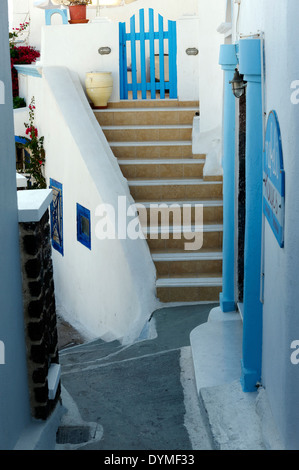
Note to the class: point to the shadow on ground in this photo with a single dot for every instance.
(137, 397)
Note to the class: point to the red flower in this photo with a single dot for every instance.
(32, 131)
(21, 55)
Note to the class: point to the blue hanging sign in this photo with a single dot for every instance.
(274, 179)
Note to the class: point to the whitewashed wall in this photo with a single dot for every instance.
(109, 291)
(278, 22)
(170, 9)
(209, 136)
(22, 9)
(188, 34)
(76, 47)
(59, 50)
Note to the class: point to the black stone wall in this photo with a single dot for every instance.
(39, 312)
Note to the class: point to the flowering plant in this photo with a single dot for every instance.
(20, 54)
(35, 145)
(14, 34)
(75, 2)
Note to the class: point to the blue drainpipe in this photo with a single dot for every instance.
(228, 61)
(250, 67)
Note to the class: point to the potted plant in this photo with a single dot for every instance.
(77, 9)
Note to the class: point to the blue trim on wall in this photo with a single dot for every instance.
(20, 140)
(228, 62)
(82, 236)
(52, 11)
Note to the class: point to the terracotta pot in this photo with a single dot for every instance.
(77, 13)
(99, 87)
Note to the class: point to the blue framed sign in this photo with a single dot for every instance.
(56, 210)
(83, 226)
(274, 179)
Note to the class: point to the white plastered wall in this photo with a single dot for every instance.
(170, 9)
(78, 47)
(208, 128)
(278, 23)
(108, 291)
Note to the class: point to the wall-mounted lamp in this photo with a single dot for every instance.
(238, 84)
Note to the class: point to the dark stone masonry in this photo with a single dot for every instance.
(39, 312)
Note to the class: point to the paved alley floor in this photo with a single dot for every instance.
(137, 397)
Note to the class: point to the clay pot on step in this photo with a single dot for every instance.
(99, 87)
(77, 14)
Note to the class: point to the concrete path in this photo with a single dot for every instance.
(137, 397)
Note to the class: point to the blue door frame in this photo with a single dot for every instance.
(248, 53)
(128, 41)
(250, 65)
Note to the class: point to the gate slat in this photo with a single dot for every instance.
(142, 54)
(133, 57)
(172, 47)
(161, 58)
(123, 62)
(152, 53)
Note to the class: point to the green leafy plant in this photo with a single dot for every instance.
(35, 147)
(18, 102)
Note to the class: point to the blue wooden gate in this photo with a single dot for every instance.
(135, 80)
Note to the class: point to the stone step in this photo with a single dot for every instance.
(183, 263)
(152, 141)
(176, 212)
(208, 237)
(187, 288)
(162, 168)
(153, 149)
(158, 103)
(175, 189)
(146, 116)
(142, 133)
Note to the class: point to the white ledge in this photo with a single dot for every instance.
(53, 380)
(33, 203)
(21, 181)
(32, 70)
